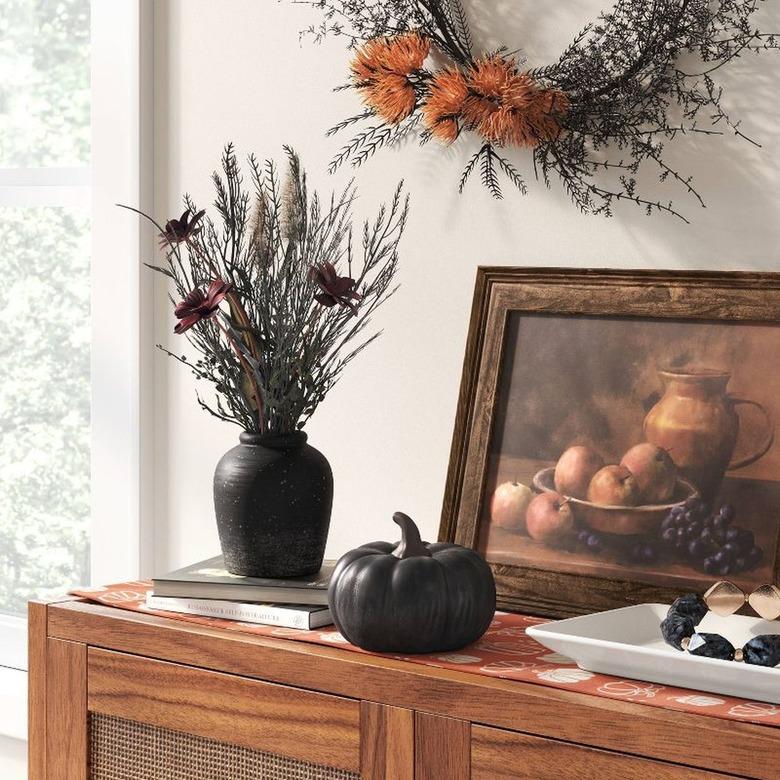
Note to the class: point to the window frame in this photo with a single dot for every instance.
(121, 364)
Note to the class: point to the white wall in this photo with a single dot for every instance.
(13, 758)
(235, 70)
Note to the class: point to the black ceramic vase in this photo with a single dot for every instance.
(273, 496)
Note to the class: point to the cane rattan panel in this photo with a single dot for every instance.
(122, 749)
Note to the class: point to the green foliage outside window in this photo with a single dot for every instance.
(45, 327)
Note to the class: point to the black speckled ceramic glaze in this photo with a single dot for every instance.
(273, 496)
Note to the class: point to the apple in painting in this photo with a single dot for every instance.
(549, 517)
(614, 486)
(654, 471)
(509, 504)
(575, 470)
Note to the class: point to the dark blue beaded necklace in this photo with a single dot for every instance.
(679, 630)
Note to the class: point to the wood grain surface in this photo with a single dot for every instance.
(262, 716)
(66, 710)
(743, 749)
(36, 690)
(504, 755)
(386, 742)
(441, 748)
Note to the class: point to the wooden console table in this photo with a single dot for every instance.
(116, 695)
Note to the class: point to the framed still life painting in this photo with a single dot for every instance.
(643, 406)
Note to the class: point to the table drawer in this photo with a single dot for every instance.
(285, 721)
(506, 755)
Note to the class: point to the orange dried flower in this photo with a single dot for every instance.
(491, 84)
(446, 130)
(402, 54)
(509, 108)
(505, 126)
(489, 75)
(447, 92)
(549, 107)
(381, 68)
(477, 110)
(519, 92)
(546, 111)
(391, 96)
(368, 59)
(406, 53)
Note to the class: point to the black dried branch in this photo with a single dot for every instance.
(488, 170)
(511, 173)
(366, 143)
(360, 20)
(467, 171)
(348, 151)
(373, 144)
(461, 24)
(349, 121)
(267, 237)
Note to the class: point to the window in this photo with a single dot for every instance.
(76, 331)
(45, 299)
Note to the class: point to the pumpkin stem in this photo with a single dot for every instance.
(410, 545)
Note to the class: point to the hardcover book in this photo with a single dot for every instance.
(304, 616)
(210, 580)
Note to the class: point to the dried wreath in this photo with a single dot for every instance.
(619, 88)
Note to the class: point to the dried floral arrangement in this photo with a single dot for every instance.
(271, 296)
(603, 111)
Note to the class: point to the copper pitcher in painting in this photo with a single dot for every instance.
(696, 421)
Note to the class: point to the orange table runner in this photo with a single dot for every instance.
(504, 651)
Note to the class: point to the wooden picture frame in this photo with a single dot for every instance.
(678, 298)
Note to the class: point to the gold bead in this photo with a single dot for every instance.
(739, 655)
(685, 642)
(766, 601)
(724, 598)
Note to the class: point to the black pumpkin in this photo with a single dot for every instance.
(411, 597)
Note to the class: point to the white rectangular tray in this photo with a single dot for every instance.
(627, 642)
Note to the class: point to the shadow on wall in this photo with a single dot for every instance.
(735, 179)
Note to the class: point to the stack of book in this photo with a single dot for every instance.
(207, 588)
